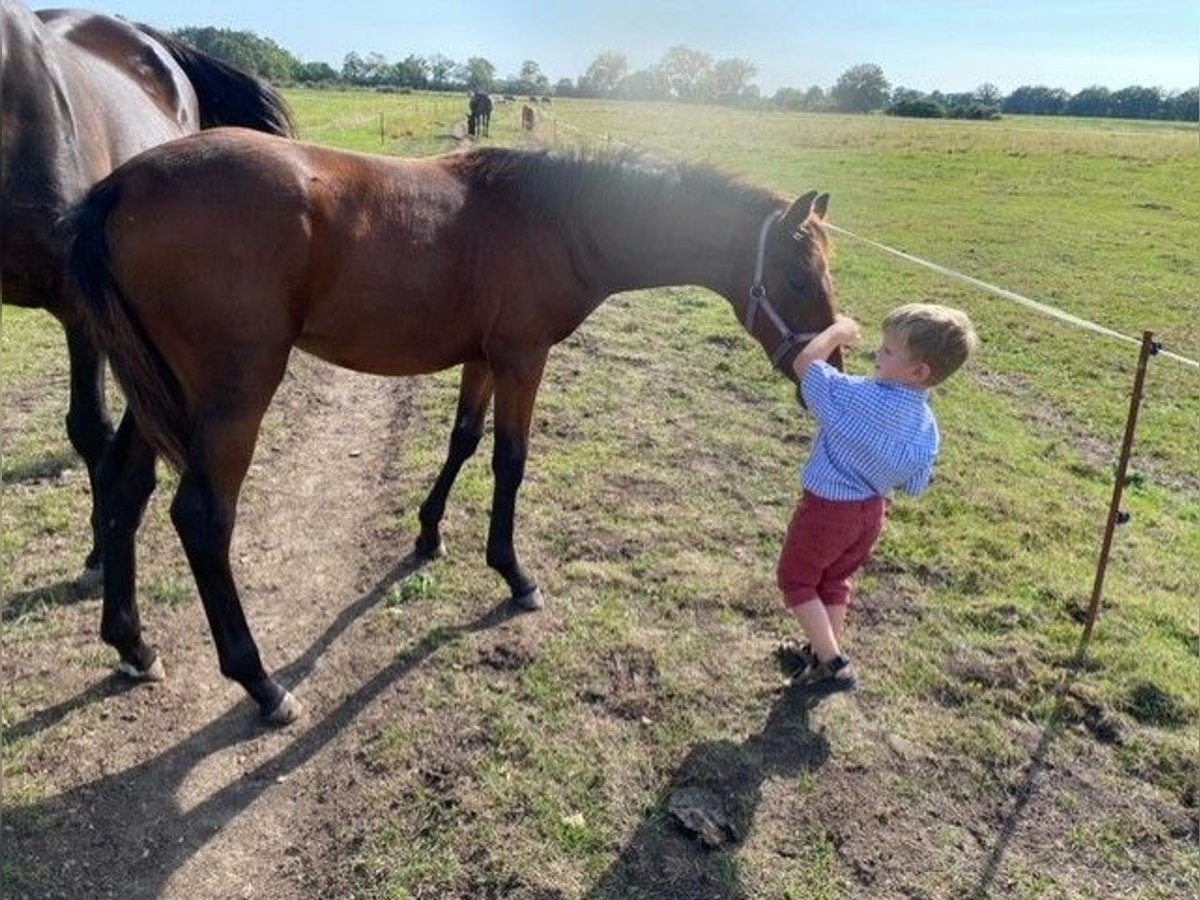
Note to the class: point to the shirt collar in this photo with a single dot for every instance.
(904, 390)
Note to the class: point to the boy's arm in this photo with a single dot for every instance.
(844, 332)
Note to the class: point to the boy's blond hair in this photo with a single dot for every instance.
(939, 336)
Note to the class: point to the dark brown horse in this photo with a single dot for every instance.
(81, 93)
(206, 260)
(479, 119)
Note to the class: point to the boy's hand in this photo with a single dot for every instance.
(844, 332)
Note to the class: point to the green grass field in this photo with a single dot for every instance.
(661, 477)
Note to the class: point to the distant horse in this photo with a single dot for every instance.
(528, 118)
(481, 114)
(205, 261)
(82, 93)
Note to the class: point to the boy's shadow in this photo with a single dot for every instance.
(664, 861)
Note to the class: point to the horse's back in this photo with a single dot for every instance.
(353, 257)
(235, 176)
(227, 195)
(84, 93)
(128, 93)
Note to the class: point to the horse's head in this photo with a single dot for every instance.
(792, 298)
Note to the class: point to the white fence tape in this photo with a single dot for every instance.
(1035, 305)
(1043, 308)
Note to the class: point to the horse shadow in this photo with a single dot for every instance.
(64, 592)
(48, 467)
(664, 862)
(132, 821)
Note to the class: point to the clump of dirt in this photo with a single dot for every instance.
(1008, 673)
(508, 653)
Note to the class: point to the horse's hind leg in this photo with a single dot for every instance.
(88, 424)
(516, 390)
(474, 394)
(203, 511)
(125, 480)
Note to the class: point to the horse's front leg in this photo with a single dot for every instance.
(204, 511)
(516, 390)
(124, 482)
(474, 395)
(89, 426)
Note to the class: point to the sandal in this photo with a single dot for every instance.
(835, 675)
(795, 658)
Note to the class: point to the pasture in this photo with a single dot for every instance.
(453, 748)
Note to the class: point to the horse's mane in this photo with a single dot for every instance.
(227, 94)
(559, 184)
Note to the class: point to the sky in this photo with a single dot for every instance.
(947, 46)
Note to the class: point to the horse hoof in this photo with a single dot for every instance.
(155, 672)
(424, 551)
(287, 712)
(533, 600)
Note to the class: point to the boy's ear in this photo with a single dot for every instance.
(923, 372)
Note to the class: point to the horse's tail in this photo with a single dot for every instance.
(227, 95)
(150, 387)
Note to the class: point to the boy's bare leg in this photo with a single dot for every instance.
(815, 620)
(837, 620)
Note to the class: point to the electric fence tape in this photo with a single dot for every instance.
(1000, 292)
(1043, 308)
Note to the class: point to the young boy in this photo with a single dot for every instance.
(874, 435)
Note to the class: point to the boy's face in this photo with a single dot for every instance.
(894, 363)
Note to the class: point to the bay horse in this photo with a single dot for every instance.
(204, 261)
(81, 94)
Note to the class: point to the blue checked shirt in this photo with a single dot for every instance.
(872, 436)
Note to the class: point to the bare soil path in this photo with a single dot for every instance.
(176, 790)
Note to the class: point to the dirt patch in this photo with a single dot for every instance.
(508, 653)
(626, 684)
(975, 668)
(176, 790)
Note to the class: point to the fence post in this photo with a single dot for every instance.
(1149, 347)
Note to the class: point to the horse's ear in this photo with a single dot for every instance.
(821, 207)
(798, 212)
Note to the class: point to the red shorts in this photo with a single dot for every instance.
(827, 541)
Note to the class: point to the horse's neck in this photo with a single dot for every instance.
(686, 245)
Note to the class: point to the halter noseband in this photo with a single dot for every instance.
(788, 339)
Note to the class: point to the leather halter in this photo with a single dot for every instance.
(788, 340)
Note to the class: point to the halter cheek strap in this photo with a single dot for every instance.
(788, 339)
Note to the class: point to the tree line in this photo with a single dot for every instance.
(691, 76)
